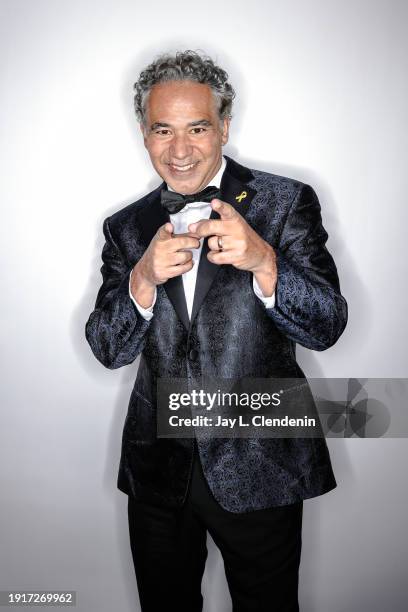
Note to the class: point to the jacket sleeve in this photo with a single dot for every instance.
(115, 329)
(309, 307)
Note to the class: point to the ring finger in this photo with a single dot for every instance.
(214, 243)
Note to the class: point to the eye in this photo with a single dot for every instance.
(198, 130)
(162, 132)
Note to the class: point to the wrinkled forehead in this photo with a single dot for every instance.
(178, 103)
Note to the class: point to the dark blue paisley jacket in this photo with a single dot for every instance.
(231, 335)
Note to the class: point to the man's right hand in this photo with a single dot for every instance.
(167, 256)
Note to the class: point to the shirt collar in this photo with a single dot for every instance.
(216, 180)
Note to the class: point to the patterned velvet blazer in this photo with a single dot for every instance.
(231, 335)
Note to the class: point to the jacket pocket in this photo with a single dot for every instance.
(140, 423)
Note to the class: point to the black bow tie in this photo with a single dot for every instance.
(173, 202)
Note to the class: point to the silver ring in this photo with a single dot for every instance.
(220, 243)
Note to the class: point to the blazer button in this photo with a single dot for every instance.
(193, 354)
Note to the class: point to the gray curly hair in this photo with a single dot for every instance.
(184, 66)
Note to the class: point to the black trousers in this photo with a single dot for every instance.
(261, 552)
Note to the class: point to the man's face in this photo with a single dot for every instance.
(183, 134)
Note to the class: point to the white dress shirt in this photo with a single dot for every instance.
(192, 213)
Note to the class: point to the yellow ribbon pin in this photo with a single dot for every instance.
(241, 196)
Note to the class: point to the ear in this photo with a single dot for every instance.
(143, 130)
(225, 130)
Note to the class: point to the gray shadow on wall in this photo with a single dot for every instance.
(312, 551)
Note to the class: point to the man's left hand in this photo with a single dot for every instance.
(242, 247)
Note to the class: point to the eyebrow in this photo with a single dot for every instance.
(159, 124)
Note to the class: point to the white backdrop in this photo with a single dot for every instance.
(322, 97)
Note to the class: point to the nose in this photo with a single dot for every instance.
(180, 147)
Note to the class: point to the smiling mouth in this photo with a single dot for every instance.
(182, 168)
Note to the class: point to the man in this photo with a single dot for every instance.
(222, 284)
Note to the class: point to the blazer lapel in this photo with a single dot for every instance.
(236, 192)
(151, 217)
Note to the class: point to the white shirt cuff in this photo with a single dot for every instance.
(269, 302)
(146, 313)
